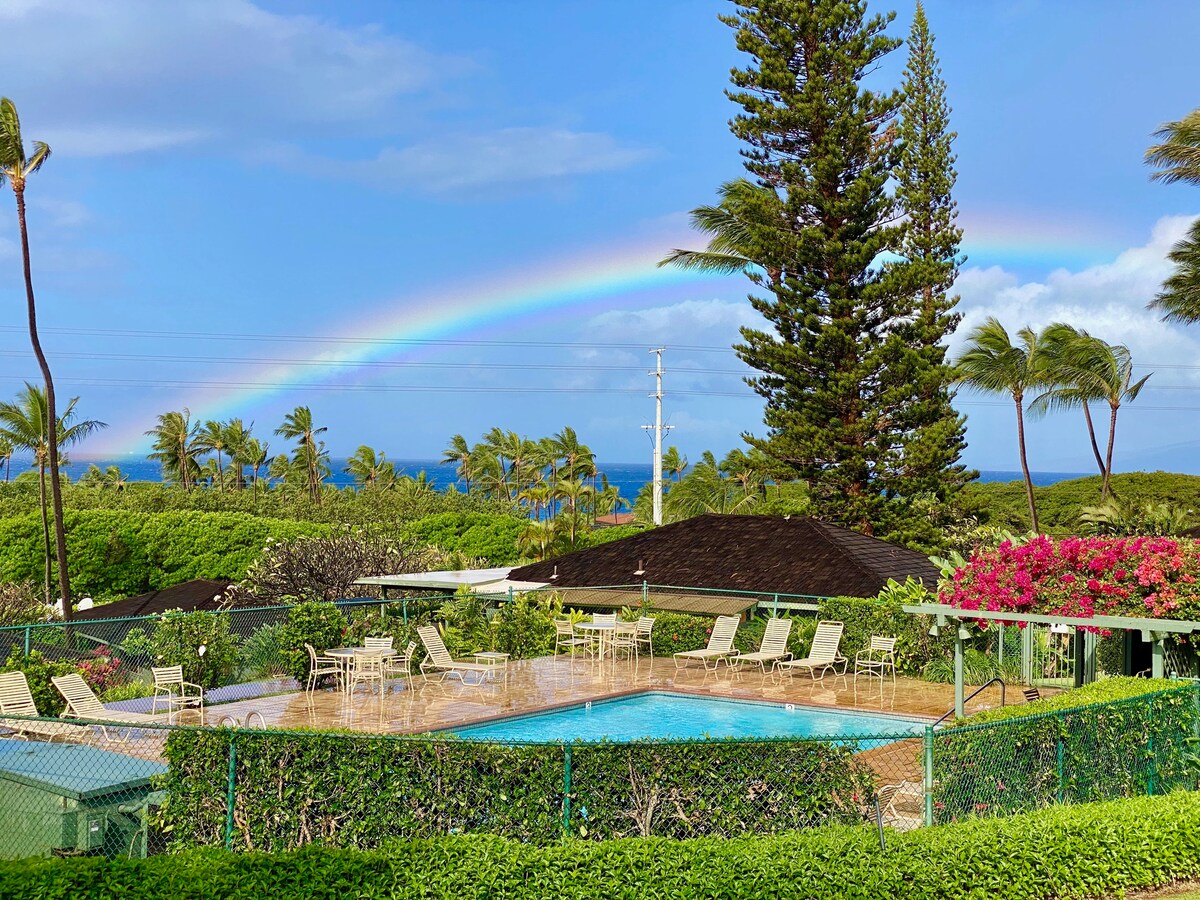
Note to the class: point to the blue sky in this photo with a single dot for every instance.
(428, 219)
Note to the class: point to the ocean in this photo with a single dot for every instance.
(629, 477)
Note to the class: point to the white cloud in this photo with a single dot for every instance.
(1108, 300)
(687, 322)
(144, 75)
(297, 91)
(460, 162)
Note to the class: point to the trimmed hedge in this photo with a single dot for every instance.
(120, 554)
(1075, 851)
(359, 791)
(1063, 750)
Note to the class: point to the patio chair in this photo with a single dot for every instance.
(17, 700)
(565, 636)
(82, 703)
(773, 647)
(720, 645)
(887, 797)
(173, 692)
(878, 658)
(823, 655)
(642, 636)
(366, 668)
(319, 666)
(441, 663)
(597, 640)
(378, 643)
(624, 637)
(400, 665)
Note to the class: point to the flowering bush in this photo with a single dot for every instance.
(1147, 577)
(102, 671)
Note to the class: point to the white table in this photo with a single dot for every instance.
(496, 660)
(602, 634)
(345, 657)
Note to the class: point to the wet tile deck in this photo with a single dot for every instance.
(548, 682)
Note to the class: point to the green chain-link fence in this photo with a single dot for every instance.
(147, 787)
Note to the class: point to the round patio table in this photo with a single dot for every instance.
(345, 656)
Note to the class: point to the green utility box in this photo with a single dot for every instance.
(67, 800)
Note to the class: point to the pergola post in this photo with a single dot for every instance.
(1027, 654)
(1155, 640)
(958, 671)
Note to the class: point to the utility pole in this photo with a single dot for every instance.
(658, 435)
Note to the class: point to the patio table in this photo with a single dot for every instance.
(345, 657)
(603, 634)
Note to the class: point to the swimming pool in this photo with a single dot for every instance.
(662, 715)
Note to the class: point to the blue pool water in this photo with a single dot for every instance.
(663, 715)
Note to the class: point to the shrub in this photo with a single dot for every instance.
(325, 567)
(20, 604)
(1067, 748)
(318, 623)
(120, 553)
(356, 790)
(488, 537)
(200, 642)
(130, 690)
(524, 627)
(884, 615)
(679, 632)
(259, 653)
(1083, 577)
(1103, 849)
(38, 672)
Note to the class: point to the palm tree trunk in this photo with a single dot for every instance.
(220, 472)
(60, 535)
(1087, 414)
(1025, 464)
(1106, 488)
(48, 576)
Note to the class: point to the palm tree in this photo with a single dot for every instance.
(24, 424)
(747, 233)
(211, 439)
(236, 437)
(539, 540)
(16, 167)
(1082, 368)
(370, 469)
(1177, 158)
(6, 454)
(175, 447)
(311, 454)
(674, 463)
(255, 454)
(991, 363)
(458, 453)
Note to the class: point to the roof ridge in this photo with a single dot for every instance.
(820, 525)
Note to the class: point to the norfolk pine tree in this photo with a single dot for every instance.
(822, 142)
(932, 433)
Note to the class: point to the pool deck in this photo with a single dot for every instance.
(548, 682)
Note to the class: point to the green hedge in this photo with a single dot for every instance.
(354, 790)
(119, 553)
(1059, 750)
(1076, 852)
(471, 535)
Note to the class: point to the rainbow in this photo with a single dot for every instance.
(453, 312)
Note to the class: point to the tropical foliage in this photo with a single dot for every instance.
(1177, 158)
(1147, 577)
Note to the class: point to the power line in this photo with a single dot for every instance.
(326, 339)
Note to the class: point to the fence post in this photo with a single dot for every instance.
(928, 774)
(27, 636)
(1150, 775)
(1058, 764)
(566, 819)
(229, 796)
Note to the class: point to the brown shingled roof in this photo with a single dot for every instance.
(188, 596)
(764, 554)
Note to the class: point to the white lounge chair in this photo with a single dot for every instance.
(774, 645)
(440, 662)
(17, 700)
(823, 655)
(173, 692)
(82, 703)
(720, 645)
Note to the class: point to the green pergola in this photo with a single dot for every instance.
(1153, 631)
